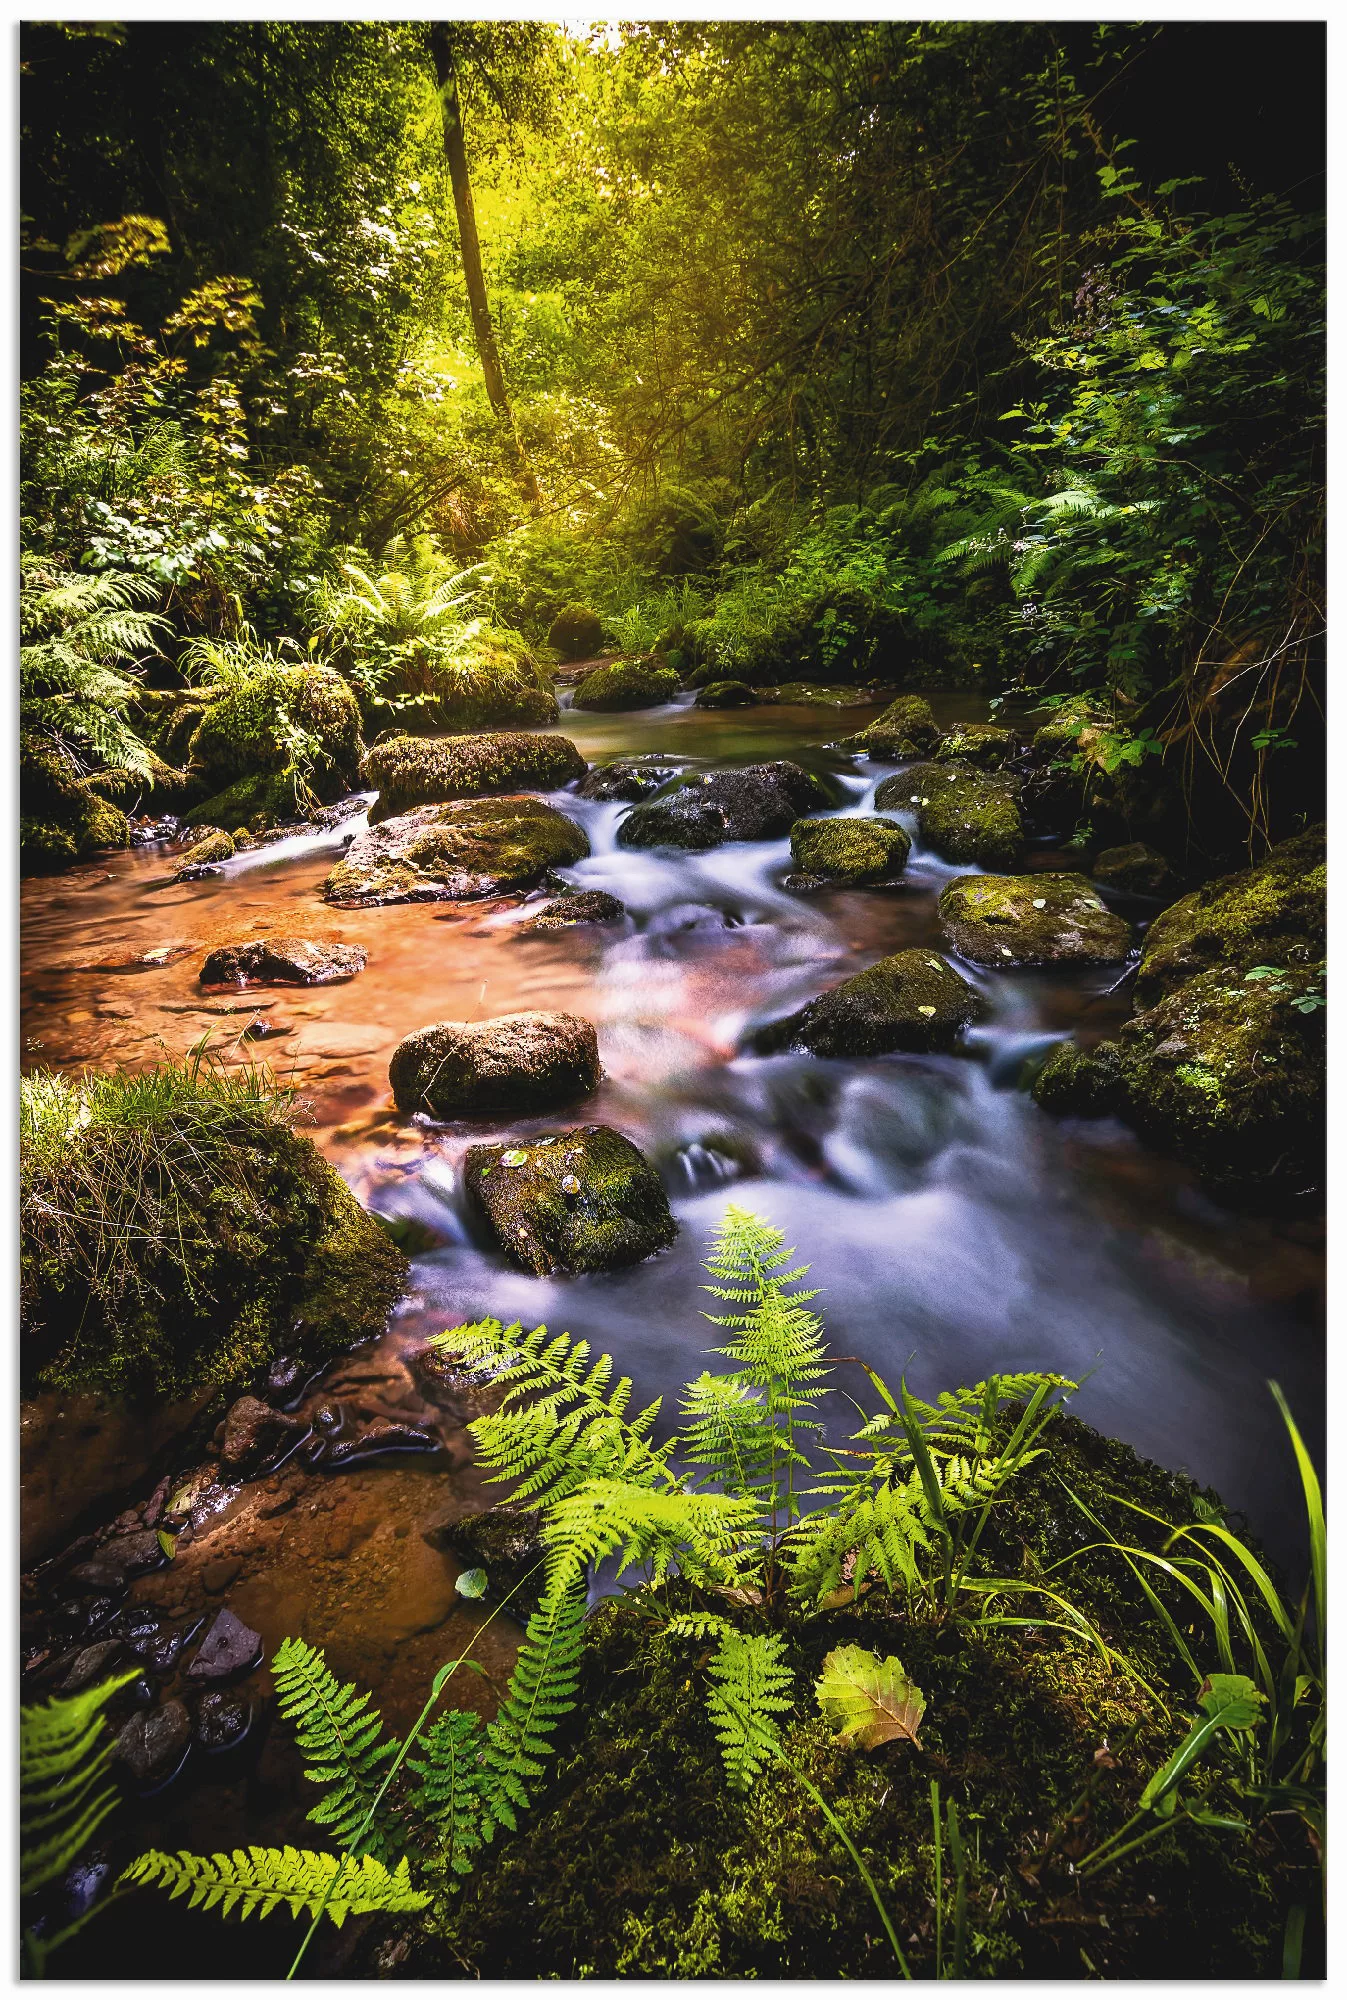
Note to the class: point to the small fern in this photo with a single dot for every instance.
(261, 1880)
(752, 1687)
(64, 1796)
(340, 1736)
(449, 1796)
(541, 1691)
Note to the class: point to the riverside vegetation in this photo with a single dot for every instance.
(404, 406)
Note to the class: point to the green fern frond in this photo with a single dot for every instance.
(64, 1750)
(541, 1691)
(883, 1531)
(727, 1430)
(449, 1796)
(707, 1535)
(752, 1687)
(697, 1625)
(340, 1736)
(260, 1880)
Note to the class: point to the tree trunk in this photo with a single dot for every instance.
(456, 154)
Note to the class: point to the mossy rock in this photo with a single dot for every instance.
(576, 632)
(913, 1000)
(1059, 738)
(907, 728)
(457, 852)
(1134, 870)
(246, 1245)
(628, 778)
(1228, 1074)
(107, 825)
(983, 744)
(963, 814)
(63, 818)
(726, 694)
(1272, 913)
(568, 913)
(526, 1062)
(1079, 1083)
(627, 684)
(263, 799)
(1012, 920)
(243, 729)
(638, 1861)
(583, 1200)
(419, 770)
(849, 850)
(756, 802)
(217, 845)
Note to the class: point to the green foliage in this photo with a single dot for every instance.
(260, 1880)
(77, 635)
(449, 1796)
(340, 1736)
(64, 1790)
(751, 1687)
(541, 1691)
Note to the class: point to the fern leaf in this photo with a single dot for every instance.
(541, 1691)
(449, 1796)
(869, 1701)
(706, 1534)
(751, 1688)
(340, 1736)
(260, 1880)
(64, 1750)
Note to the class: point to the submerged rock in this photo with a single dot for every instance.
(1272, 913)
(809, 694)
(913, 1000)
(757, 802)
(849, 850)
(589, 906)
(456, 853)
(152, 1745)
(255, 1432)
(726, 694)
(1007, 920)
(965, 815)
(627, 684)
(627, 779)
(517, 1062)
(1135, 870)
(583, 1200)
(984, 744)
(223, 1718)
(907, 728)
(429, 770)
(230, 1647)
(507, 1543)
(281, 961)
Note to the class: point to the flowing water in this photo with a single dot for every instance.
(953, 1229)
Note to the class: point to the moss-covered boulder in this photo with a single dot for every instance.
(583, 1200)
(913, 1000)
(526, 1062)
(1009, 920)
(568, 913)
(281, 961)
(984, 744)
(1272, 913)
(261, 800)
(1059, 739)
(1134, 870)
(1080, 1083)
(428, 770)
(907, 728)
(726, 694)
(576, 632)
(457, 852)
(63, 817)
(848, 850)
(628, 778)
(249, 726)
(624, 684)
(214, 846)
(963, 814)
(756, 802)
(177, 1232)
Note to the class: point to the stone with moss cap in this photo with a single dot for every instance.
(1134, 870)
(588, 906)
(430, 770)
(755, 802)
(810, 694)
(965, 815)
(215, 845)
(517, 1062)
(726, 694)
(583, 1200)
(248, 727)
(628, 778)
(1009, 920)
(455, 853)
(913, 1000)
(576, 632)
(907, 728)
(281, 961)
(1272, 913)
(625, 684)
(848, 850)
(984, 744)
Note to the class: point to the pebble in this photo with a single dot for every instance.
(223, 1718)
(230, 1647)
(153, 1744)
(93, 1664)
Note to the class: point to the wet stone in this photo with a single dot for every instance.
(757, 802)
(223, 1718)
(255, 1432)
(92, 1665)
(230, 1647)
(590, 906)
(517, 1062)
(507, 1543)
(152, 1745)
(281, 961)
(1010, 920)
(627, 779)
(619, 1216)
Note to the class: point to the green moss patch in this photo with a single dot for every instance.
(965, 815)
(1008, 920)
(456, 853)
(627, 684)
(849, 850)
(584, 1200)
(913, 1000)
(1273, 913)
(907, 728)
(416, 770)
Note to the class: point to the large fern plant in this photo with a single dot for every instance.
(81, 641)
